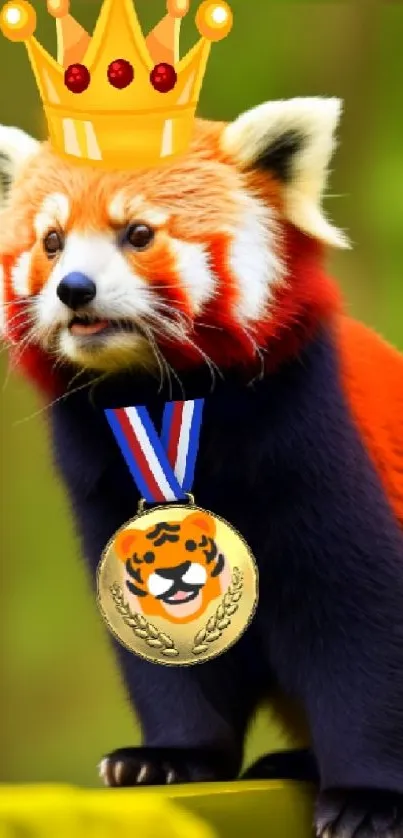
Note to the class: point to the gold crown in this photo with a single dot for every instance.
(119, 99)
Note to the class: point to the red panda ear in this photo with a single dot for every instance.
(15, 149)
(294, 140)
(124, 544)
(203, 522)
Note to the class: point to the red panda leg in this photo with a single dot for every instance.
(193, 719)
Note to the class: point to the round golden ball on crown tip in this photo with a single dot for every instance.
(18, 20)
(58, 8)
(214, 20)
(178, 8)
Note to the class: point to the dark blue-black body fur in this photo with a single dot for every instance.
(283, 462)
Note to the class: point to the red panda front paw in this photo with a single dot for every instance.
(359, 814)
(163, 766)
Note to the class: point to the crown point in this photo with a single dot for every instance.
(214, 20)
(18, 20)
(178, 8)
(58, 8)
(163, 77)
(77, 78)
(120, 73)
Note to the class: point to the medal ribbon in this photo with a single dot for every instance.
(162, 467)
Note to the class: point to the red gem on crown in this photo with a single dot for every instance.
(77, 78)
(120, 73)
(163, 77)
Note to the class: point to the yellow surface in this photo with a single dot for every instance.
(280, 810)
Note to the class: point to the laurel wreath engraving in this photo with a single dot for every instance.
(141, 627)
(222, 618)
(212, 631)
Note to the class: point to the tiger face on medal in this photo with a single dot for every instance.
(177, 585)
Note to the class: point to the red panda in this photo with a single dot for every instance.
(208, 274)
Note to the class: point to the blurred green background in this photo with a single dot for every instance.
(61, 702)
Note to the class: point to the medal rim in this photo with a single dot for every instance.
(143, 514)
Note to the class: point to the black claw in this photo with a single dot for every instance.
(162, 766)
(150, 775)
(359, 814)
(108, 773)
(125, 772)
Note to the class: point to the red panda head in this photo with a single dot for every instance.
(215, 257)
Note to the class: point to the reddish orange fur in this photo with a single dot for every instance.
(372, 374)
(158, 266)
(197, 189)
(199, 192)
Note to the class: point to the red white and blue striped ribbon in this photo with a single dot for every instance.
(162, 467)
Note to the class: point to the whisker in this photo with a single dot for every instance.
(170, 371)
(209, 326)
(6, 348)
(163, 310)
(23, 301)
(21, 320)
(74, 378)
(170, 329)
(25, 341)
(94, 383)
(26, 308)
(18, 352)
(56, 401)
(15, 359)
(260, 353)
(261, 374)
(160, 361)
(167, 334)
(213, 368)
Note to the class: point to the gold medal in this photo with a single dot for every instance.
(177, 585)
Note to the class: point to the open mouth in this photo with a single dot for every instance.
(86, 326)
(180, 597)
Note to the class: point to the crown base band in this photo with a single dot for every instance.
(142, 142)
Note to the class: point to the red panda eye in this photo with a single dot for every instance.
(139, 236)
(53, 243)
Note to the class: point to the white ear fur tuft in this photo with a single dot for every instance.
(296, 138)
(15, 148)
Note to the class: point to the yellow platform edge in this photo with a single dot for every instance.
(207, 810)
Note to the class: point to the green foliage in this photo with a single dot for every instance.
(62, 705)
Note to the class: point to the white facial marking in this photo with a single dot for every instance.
(124, 209)
(154, 216)
(120, 294)
(20, 274)
(117, 209)
(196, 276)
(55, 210)
(15, 149)
(254, 261)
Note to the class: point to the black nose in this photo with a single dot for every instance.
(76, 290)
